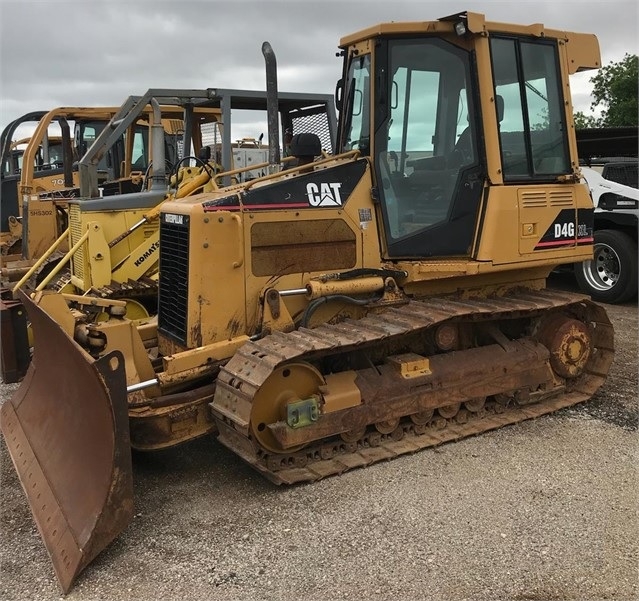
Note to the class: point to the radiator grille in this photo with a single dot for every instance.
(174, 278)
(75, 228)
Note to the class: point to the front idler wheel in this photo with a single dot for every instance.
(288, 384)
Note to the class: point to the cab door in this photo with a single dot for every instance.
(426, 153)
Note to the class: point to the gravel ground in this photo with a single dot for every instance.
(543, 510)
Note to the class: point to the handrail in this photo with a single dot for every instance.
(299, 168)
(40, 261)
(63, 261)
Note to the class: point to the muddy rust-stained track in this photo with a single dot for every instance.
(477, 389)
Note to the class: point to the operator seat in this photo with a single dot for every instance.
(464, 147)
(305, 147)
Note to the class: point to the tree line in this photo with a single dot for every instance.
(614, 94)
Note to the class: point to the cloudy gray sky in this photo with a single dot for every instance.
(98, 52)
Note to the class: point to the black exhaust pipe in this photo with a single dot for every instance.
(67, 153)
(272, 107)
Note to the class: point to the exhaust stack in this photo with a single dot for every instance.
(158, 175)
(272, 108)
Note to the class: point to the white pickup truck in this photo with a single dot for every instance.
(611, 276)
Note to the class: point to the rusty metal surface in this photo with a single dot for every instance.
(244, 375)
(484, 371)
(70, 446)
(15, 353)
(171, 419)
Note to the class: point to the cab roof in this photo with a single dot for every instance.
(583, 48)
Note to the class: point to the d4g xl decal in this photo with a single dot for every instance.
(564, 230)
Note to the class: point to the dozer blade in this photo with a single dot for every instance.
(70, 446)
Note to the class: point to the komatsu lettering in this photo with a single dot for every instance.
(324, 194)
(151, 250)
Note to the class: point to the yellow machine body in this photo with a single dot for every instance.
(96, 264)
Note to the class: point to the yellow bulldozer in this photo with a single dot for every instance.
(150, 133)
(41, 181)
(109, 247)
(346, 309)
(124, 228)
(40, 173)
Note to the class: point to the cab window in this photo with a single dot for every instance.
(532, 129)
(140, 151)
(429, 139)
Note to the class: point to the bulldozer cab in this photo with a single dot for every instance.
(444, 108)
(16, 152)
(40, 175)
(43, 168)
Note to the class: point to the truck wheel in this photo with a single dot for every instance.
(611, 276)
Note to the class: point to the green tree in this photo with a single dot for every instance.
(615, 92)
(583, 121)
